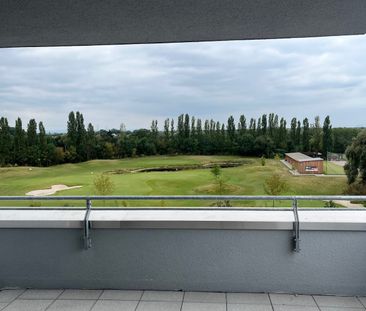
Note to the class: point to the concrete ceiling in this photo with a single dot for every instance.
(90, 22)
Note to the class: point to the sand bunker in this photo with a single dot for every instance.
(52, 190)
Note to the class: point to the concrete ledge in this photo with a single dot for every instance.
(337, 220)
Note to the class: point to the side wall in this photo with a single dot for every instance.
(330, 262)
(301, 167)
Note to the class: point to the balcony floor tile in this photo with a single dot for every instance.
(115, 305)
(293, 300)
(28, 305)
(248, 307)
(295, 308)
(158, 306)
(162, 296)
(340, 302)
(41, 294)
(8, 295)
(205, 297)
(70, 294)
(340, 309)
(261, 299)
(130, 295)
(74, 305)
(203, 306)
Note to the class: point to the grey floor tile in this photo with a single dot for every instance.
(8, 295)
(294, 308)
(363, 300)
(294, 300)
(159, 306)
(251, 298)
(162, 296)
(3, 305)
(40, 294)
(197, 306)
(115, 305)
(74, 305)
(205, 297)
(28, 305)
(340, 309)
(121, 294)
(333, 301)
(248, 307)
(80, 294)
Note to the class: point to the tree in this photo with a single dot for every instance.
(231, 129)
(19, 144)
(242, 126)
(298, 135)
(316, 137)
(72, 129)
(5, 142)
(293, 132)
(33, 155)
(43, 147)
(91, 142)
(103, 185)
(80, 146)
(264, 124)
(305, 135)
(274, 185)
(356, 160)
(327, 140)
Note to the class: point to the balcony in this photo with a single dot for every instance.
(293, 251)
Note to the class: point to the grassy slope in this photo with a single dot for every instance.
(247, 179)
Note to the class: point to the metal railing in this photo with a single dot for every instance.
(88, 206)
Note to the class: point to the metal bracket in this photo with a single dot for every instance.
(87, 226)
(296, 228)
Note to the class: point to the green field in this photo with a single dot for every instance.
(247, 179)
(333, 169)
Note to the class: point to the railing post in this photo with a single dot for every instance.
(296, 227)
(87, 226)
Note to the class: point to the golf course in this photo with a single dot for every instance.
(164, 175)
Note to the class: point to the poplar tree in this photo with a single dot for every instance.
(305, 135)
(33, 155)
(293, 132)
(298, 135)
(19, 143)
(43, 156)
(327, 140)
(72, 130)
(80, 137)
(91, 142)
(5, 142)
(316, 136)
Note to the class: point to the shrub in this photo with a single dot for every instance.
(103, 185)
(263, 161)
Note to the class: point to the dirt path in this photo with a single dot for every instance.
(52, 190)
(348, 204)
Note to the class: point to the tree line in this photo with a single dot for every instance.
(266, 136)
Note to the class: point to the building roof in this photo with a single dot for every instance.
(300, 157)
(78, 22)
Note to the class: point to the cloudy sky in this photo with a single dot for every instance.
(135, 84)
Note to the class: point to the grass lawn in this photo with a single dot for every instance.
(247, 179)
(331, 168)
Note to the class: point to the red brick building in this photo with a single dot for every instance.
(305, 164)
